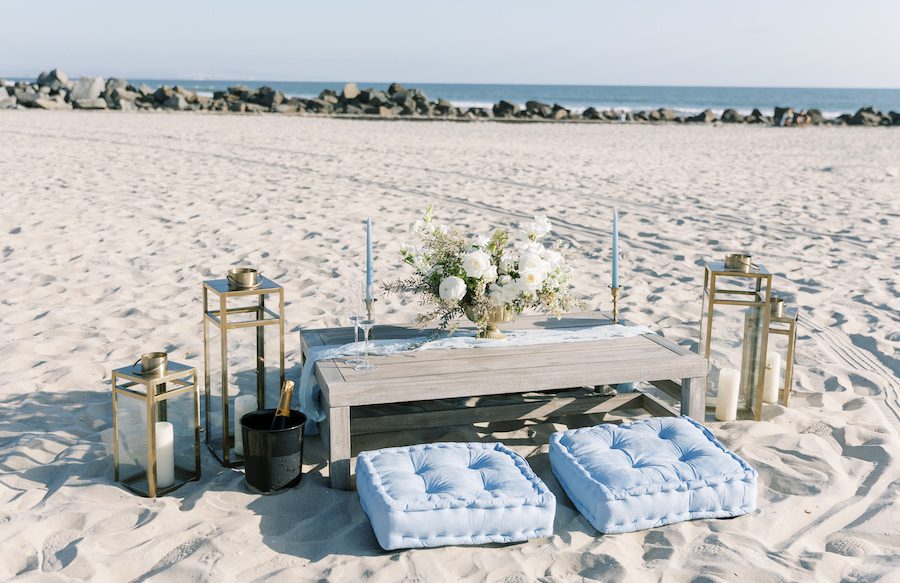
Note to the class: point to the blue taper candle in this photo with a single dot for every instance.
(615, 249)
(369, 259)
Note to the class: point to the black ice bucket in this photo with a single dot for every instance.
(273, 458)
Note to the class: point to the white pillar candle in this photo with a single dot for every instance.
(243, 404)
(727, 396)
(772, 377)
(165, 454)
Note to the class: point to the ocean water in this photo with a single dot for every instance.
(579, 97)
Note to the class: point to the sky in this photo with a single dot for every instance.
(765, 43)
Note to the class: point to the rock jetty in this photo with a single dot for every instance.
(54, 90)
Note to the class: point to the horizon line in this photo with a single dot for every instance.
(516, 84)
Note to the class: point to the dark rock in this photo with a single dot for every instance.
(783, 116)
(843, 119)
(866, 116)
(815, 117)
(613, 115)
(54, 79)
(705, 116)
(329, 96)
(240, 91)
(163, 93)
(290, 106)
(319, 106)
(98, 103)
(218, 105)
(267, 97)
(479, 112)
(666, 114)
(443, 107)
(25, 95)
(112, 84)
(351, 91)
(541, 109)
(176, 101)
(641, 116)
(395, 88)
(505, 109)
(756, 116)
(87, 88)
(373, 97)
(352, 109)
(559, 112)
(189, 96)
(591, 113)
(732, 116)
(895, 117)
(237, 106)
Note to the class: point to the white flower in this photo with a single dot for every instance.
(475, 263)
(551, 257)
(507, 262)
(538, 228)
(532, 280)
(490, 274)
(480, 241)
(452, 289)
(421, 227)
(504, 279)
(529, 262)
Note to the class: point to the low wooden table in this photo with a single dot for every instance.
(452, 373)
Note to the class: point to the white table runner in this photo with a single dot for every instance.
(309, 390)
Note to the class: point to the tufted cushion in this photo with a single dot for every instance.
(649, 473)
(452, 494)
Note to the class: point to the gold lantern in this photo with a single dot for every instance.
(734, 325)
(783, 326)
(156, 426)
(252, 369)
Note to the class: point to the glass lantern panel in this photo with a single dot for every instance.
(734, 342)
(776, 350)
(131, 433)
(180, 413)
(253, 353)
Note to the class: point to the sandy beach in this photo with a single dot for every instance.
(111, 221)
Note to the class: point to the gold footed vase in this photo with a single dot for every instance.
(490, 318)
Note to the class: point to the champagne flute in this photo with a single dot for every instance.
(365, 365)
(354, 315)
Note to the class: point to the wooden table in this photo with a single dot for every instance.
(451, 373)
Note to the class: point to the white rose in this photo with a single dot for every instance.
(551, 257)
(537, 229)
(490, 274)
(532, 262)
(532, 280)
(452, 289)
(504, 279)
(475, 263)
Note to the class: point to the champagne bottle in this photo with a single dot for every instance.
(283, 412)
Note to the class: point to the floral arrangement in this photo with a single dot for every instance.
(457, 275)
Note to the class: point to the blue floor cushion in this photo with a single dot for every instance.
(649, 473)
(452, 494)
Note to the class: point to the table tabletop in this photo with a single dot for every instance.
(449, 373)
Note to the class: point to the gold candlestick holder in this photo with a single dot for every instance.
(615, 302)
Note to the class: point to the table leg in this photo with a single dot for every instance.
(693, 398)
(339, 447)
